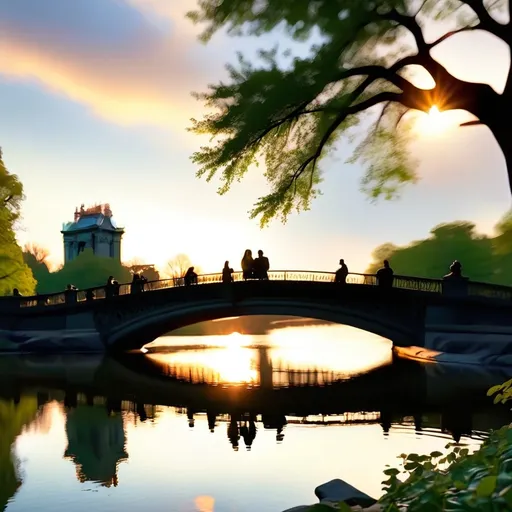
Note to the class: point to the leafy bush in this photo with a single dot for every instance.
(460, 480)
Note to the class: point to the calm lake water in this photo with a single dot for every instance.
(226, 423)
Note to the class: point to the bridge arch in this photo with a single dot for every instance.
(396, 318)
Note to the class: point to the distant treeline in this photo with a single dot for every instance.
(483, 258)
(85, 271)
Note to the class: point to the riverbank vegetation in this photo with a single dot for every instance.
(14, 273)
(484, 258)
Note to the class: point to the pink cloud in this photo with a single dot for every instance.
(145, 77)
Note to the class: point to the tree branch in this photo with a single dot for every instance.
(450, 93)
(410, 23)
(487, 22)
(452, 33)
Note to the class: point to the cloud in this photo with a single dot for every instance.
(118, 58)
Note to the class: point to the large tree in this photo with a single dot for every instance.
(14, 273)
(291, 115)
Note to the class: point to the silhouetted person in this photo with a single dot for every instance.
(233, 432)
(141, 411)
(142, 282)
(136, 286)
(248, 265)
(454, 283)
(248, 433)
(70, 294)
(212, 419)
(385, 421)
(190, 417)
(261, 266)
(341, 273)
(455, 271)
(16, 293)
(112, 287)
(227, 273)
(385, 275)
(190, 277)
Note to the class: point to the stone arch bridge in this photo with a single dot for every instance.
(412, 312)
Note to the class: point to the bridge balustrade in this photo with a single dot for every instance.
(437, 286)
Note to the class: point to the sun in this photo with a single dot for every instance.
(435, 122)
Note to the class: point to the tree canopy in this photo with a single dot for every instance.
(14, 273)
(289, 112)
(85, 271)
(483, 258)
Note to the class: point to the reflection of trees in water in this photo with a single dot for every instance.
(96, 443)
(13, 418)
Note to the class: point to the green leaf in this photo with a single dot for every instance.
(507, 495)
(435, 455)
(343, 507)
(486, 486)
(497, 398)
(494, 389)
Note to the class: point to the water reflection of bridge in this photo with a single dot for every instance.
(267, 376)
(101, 402)
(449, 423)
(96, 426)
(254, 365)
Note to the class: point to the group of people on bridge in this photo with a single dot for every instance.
(252, 268)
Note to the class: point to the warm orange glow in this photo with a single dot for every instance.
(231, 365)
(342, 350)
(435, 122)
(317, 352)
(204, 503)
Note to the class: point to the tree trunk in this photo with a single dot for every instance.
(502, 131)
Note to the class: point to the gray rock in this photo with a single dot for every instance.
(337, 490)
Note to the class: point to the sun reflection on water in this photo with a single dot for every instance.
(293, 355)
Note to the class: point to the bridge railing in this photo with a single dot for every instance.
(491, 291)
(437, 286)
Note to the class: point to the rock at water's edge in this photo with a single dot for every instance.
(337, 490)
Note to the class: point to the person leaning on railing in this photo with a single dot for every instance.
(227, 273)
(341, 274)
(190, 277)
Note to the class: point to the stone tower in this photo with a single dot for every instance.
(93, 228)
